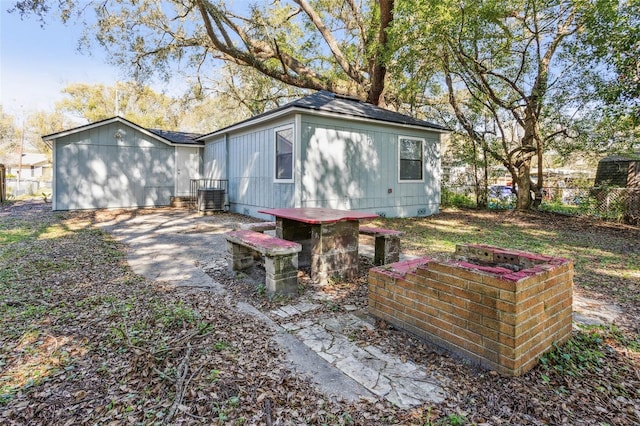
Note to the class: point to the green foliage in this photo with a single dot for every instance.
(497, 61)
(601, 203)
(314, 45)
(610, 37)
(220, 345)
(456, 420)
(502, 203)
(584, 353)
(134, 102)
(10, 133)
(454, 199)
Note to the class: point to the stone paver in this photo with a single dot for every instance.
(405, 384)
(292, 310)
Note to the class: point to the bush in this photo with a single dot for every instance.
(454, 199)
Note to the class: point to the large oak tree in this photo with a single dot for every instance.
(333, 45)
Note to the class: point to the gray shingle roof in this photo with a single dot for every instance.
(330, 102)
(182, 138)
(622, 158)
(324, 101)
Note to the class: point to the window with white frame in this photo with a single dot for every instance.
(411, 159)
(284, 154)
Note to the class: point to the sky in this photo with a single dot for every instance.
(37, 62)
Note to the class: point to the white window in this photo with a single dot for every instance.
(410, 159)
(284, 154)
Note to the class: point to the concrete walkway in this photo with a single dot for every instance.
(177, 247)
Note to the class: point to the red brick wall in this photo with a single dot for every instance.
(488, 313)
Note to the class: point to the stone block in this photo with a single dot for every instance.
(281, 274)
(241, 257)
(387, 250)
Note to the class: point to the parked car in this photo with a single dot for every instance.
(501, 197)
(500, 191)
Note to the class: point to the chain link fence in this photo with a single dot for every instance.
(614, 204)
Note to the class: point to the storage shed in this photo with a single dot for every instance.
(325, 150)
(117, 163)
(619, 172)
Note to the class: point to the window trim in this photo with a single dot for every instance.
(275, 153)
(422, 170)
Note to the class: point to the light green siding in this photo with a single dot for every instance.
(112, 166)
(215, 159)
(338, 163)
(250, 168)
(354, 165)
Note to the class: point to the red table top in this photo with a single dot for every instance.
(318, 215)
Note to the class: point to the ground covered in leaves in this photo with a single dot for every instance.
(83, 340)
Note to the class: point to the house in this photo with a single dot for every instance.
(322, 150)
(326, 150)
(32, 166)
(117, 163)
(28, 174)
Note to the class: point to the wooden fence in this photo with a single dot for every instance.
(3, 183)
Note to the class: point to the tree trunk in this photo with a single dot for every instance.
(377, 65)
(522, 181)
(538, 187)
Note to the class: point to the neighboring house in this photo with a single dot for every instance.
(325, 150)
(33, 166)
(117, 163)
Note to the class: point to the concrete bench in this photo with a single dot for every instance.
(387, 244)
(258, 226)
(280, 258)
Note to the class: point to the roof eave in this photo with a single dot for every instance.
(297, 109)
(53, 136)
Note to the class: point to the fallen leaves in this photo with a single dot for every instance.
(110, 347)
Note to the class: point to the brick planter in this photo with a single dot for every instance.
(499, 308)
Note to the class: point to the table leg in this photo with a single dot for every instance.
(334, 251)
(298, 232)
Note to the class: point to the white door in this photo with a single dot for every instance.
(187, 168)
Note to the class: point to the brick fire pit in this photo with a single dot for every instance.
(499, 308)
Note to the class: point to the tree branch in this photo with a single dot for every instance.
(331, 41)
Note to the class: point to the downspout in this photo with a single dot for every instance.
(176, 172)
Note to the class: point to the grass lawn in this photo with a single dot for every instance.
(84, 340)
(606, 256)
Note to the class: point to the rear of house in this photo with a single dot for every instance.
(116, 163)
(327, 151)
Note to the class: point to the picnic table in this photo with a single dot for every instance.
(329, 238)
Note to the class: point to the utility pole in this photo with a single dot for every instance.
(117, 100)
(20, 157)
